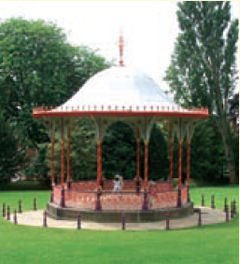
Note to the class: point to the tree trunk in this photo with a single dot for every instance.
(228, 147)
(225, 131)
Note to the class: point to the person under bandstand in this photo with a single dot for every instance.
(117, 183)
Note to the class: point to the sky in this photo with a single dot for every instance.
(149, 28)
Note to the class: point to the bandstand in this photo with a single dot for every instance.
(120, 94)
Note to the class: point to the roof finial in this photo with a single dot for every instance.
(121, 46)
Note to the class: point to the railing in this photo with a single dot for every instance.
(117, 108)
(59, 187)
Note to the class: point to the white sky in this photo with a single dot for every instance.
(150, 27)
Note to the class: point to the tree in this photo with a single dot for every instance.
(39, 67)
(202, 72)
(207, 154)
(12, 151)
(234, 112)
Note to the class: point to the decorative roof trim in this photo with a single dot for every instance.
(115, 111)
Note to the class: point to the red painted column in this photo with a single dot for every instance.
(170, 158)
(99, 163)
(52, 167)
(145, 198)
(53, 160)
(179, 195)
(188, 161)
(68, 160)
(62, 152)
(62, 201)
(146, 166)
(180, 162)
(137, 159)
(99, 174)
(68, 155)
(62, 161)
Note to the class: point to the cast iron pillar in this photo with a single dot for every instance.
(68, 156)
(179, 197)
(62, 202)
(137, 165)
(62, 152)
(98, 201)
(145, 199)
(99, 174)
(53, 166)
(188, 167)
(52, 194)
(53, 159)
(170, 153)
(99, 163)
(146, 165)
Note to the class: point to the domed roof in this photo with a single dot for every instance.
(119, 86)
(117, 92)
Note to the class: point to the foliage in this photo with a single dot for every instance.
(83, 151)
(234, 112)
(83, 156)
(12, 150)
(207, 43)
(39, 67)
(207, 156)
(207, 153)
(158, 154)
(38, 168)
(193, 245)
(119, 151)
(203, 70)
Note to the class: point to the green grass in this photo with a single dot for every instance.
(219, 194)
(208, 244)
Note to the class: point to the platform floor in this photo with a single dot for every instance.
(209, 216)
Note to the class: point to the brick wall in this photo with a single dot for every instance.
(85, 201)
(57, 194)
(81, 197)
(155, 187)
(126, 201)
(84, 186)
(163, 200)
(184, 194)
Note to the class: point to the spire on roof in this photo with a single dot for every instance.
(121, 46)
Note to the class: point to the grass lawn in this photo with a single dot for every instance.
(208, 244)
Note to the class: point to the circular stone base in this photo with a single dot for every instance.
(60, 213)
(209, 216)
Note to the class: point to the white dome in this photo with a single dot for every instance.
(119, 86)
